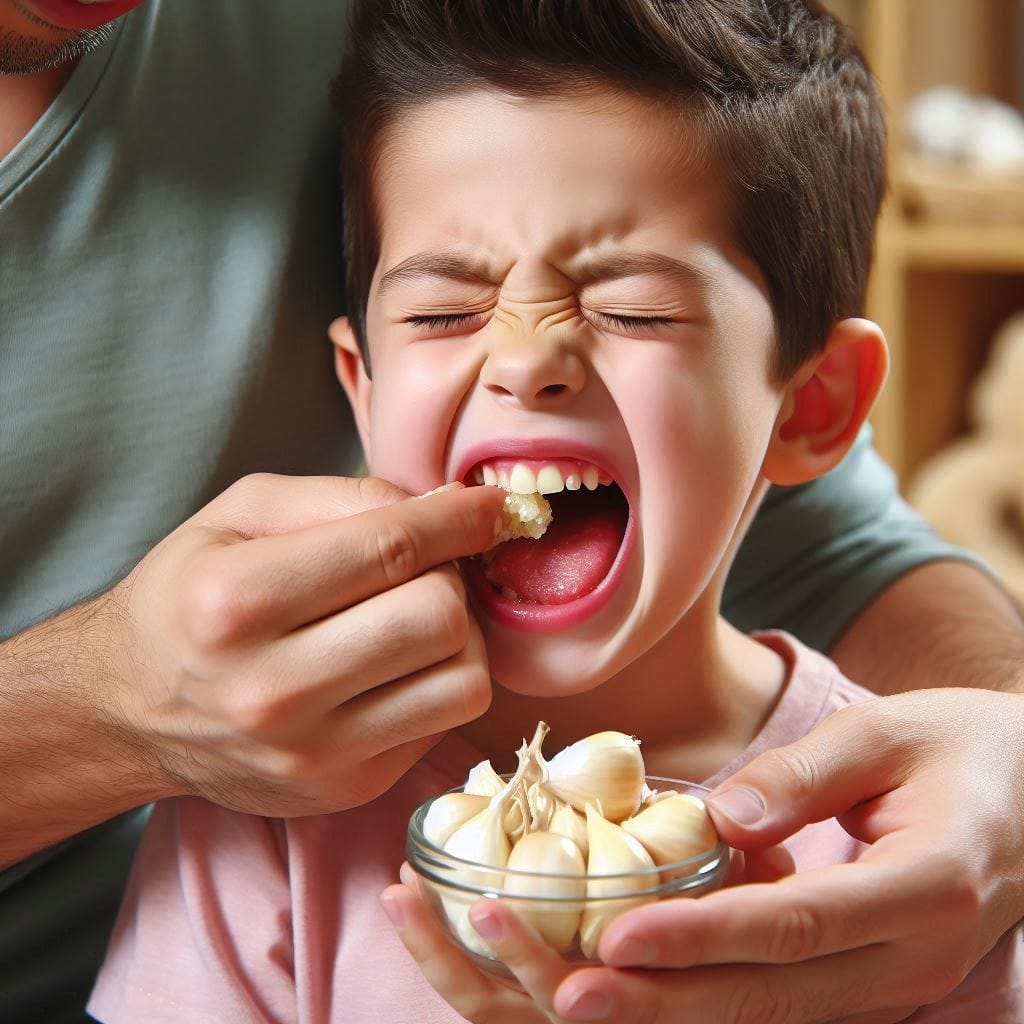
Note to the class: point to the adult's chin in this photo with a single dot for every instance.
(72, 14)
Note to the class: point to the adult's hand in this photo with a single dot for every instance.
(292, 648)
(934, 781)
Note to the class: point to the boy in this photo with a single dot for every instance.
(620, 248)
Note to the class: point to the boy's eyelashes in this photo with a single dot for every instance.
(624, 323)
(441, 321)
(629, 324)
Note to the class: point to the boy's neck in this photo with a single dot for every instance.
(695, 701)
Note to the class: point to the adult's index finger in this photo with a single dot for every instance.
(408, 538)
(305, 575)
(814, 913)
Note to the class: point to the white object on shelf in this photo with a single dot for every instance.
(947, 123)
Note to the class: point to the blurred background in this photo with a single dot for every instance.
(948, 281)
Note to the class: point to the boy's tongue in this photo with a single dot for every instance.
(574, 555)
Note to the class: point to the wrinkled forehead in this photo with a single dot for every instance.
(554, 174)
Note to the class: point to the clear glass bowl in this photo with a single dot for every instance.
(452, 885)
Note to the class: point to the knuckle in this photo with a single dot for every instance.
(800, 767)
(449, 618)
(251, 716)
(476, 691)
(372, 492)
(396, 552)
(289, 765)
(252, 488)
(796, 935)
(759, 1003)
(212, 611)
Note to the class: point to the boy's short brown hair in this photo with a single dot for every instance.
(778, 90)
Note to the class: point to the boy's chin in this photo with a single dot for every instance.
(531, 674)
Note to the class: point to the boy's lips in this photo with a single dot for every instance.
(74, 14)
(564, 577)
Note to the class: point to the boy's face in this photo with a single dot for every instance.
(557, 287)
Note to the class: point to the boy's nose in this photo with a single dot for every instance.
(535, 370)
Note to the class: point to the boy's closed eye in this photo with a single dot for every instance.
(447, 323)
(468, 322)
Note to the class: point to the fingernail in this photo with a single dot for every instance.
(486, 924)
(743, 806)
(394, 911)
(455, 485)
(589, 1005)
(634, 953)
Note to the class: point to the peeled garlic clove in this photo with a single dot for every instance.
(553, 855)
(481, 840)
(606, 769)
(673, 829)
(448, 812)
(612, 852)
(485, 781)
(567, 821)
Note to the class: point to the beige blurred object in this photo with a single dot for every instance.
(973, 491)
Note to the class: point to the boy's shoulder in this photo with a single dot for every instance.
(815, 688)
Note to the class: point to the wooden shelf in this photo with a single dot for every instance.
(949, 264)
(987, 248)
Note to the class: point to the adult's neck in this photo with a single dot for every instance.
(24, 99)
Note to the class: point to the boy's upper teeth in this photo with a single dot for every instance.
(547, 477)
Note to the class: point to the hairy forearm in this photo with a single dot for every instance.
(943, 624)
(66, 759)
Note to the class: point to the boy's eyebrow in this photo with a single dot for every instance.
(627, 264)
(453, 265)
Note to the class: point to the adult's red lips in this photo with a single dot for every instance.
(71, 14)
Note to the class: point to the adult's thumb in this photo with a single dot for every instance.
(848, 758)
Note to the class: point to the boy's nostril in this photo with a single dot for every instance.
(553, 389)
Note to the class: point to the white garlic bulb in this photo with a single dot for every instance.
(606, 770)
(612, 852)
(673, 828)
(448, 812)
(557, 857)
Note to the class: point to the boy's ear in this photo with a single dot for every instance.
(351, 371)
(827, 402)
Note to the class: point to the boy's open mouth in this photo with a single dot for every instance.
(577, 552)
